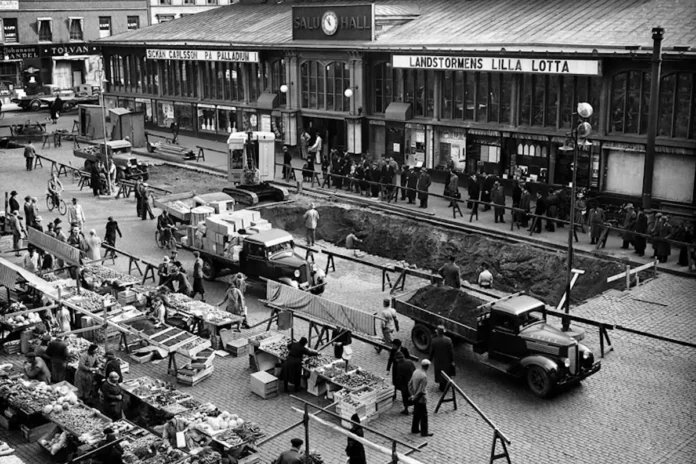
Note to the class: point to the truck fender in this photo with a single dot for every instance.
(545, 363)
(288, 281)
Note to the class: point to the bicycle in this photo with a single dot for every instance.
(62, 207)
(162, 243)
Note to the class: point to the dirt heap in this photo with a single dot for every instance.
(448, 302)
(515, 266)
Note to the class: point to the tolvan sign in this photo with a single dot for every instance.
(515, 65)
(348, 22)
(202, 55)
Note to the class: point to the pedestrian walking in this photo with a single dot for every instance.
(417, 391)
(442, 356)
(354, 449)
(29, 155)
(235, 303)
(390, 323)
(311, 219)
(93, 246)
(111, 230)
(401, 374)
(198, 276)
(424, 183)
(451, 274)
(453, 186)
(146, 200)
(76, 216)
(56, 107)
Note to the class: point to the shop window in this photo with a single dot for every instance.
(539, 100)
(278, 79)
(226, 119)
(165, 2)
(184, 116)
(104, 26)
(76, 29)
(677, 105)
(211, 2)
(45, 29)
(9, 30)
(531, 160)
(163, 18)
(418, 91)
(323, 86)
(133, 23)
(489, 158)
(384, 87)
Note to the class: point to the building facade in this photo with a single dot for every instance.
(48, 42)
(162, 11)
(432, 83)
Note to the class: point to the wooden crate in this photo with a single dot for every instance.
(238, 347)
(32, 434)
(192, 352)
(204, 359)
(191, 377)
(140, 357)
(264, 384)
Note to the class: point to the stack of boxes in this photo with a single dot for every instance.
(220, 227)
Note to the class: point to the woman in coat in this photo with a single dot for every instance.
(356, 450)
(292, 370)
(93, 246)
(84, 377)
(112, 397)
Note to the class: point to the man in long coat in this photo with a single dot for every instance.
(405, 174)
(474, 191)
(664, 249)
(498, 197)
(453, 186)
(424, 183)
(525, 206)
(640, 242)
(412, 185)
(442, 356)
(629, 224)
(487, 190)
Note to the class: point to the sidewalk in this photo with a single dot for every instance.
(438, 207)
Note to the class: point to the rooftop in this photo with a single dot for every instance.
(596, 26)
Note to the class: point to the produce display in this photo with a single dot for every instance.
(357, 379)
(105, 274)
(260, 337)
(332, 371)
(81, 421)
(20, 321)
(144, 387)
(77, 346)
(88, 300)
(313, 362)
(278, 348)
(56, 443)
(198, 308)
(215, 425)
(32, 396)
(149, 452)
(193, 343)
(249, 432)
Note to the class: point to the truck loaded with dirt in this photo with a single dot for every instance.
(510, 334)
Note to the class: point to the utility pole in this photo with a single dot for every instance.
(648, 168)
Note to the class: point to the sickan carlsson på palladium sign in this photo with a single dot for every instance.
(202, 55)
(494, 64)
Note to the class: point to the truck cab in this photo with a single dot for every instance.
(271, 254)
(515, 334)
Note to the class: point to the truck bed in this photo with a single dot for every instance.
(454, 329)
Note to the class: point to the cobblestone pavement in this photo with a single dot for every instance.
(639, 408)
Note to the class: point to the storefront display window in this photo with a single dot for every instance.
(418, 91)
(226, 119)
(144, 105)
(484, 97)
(165, 113)
(384, 87)
(677, 105)
(452, 149)
(206, 118)
(183, 112)
(532, 160)
(415, 144)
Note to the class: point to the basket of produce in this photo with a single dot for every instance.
(314, 362)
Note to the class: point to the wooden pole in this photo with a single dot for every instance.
(628, 276)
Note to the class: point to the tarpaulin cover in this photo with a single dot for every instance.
(62, 250)
(320, 308)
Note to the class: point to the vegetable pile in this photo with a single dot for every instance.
(28, 396)
(105, 274)
(313, 362)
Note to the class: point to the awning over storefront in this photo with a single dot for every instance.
(267, 101)
(72, 58)
(397, 111)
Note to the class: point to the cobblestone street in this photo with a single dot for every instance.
(639, 408)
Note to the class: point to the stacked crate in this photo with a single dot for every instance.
(264, 384)
(217, 234)
(384, 397)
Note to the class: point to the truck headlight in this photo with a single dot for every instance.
(586, 354)
(566, 363)
(297, 273)
(314, 268)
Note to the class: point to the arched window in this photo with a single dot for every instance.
(323, 85)
(677, 106)
(630, 98)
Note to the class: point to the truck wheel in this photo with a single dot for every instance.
(67, 107)
(539, 381)
(35, 105)
(421, 336)
(209, 269)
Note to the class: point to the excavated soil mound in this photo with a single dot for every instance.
(515, 266)
(448, 302)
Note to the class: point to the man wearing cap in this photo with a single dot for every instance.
(29, 154)
(311, 219)
(163, 271)
(75, 214)
(417, 389)
(35, 369)
(389, 323)
(450, 272)
(17, 230)
(442, 354)
(291, 456)
(629, 224)
(111, 392)
(38, 224)
(424, 183)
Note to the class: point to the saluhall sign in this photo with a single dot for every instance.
(496, 64)
(337, 22)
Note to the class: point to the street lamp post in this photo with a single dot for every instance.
(578, 136)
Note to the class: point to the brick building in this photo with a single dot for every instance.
(167, 10)
(487, 85)
(48, 41)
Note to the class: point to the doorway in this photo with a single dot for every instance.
(332, 131)
(395, 143)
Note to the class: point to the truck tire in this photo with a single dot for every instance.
(421, 336)
(209, 270)
(539, 381)
(35, 105)
(67, 106)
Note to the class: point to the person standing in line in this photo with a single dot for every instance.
(29, 155)
(629, 224)
(17, 230)
(450, 272)
(93, 246)
(291, 456)
(111, 230)
(390, 323)
(76, 215)
(29, 213)
(453, 187)
(596, 220)
(487, 190)
(498, 197)
(539, 210)
(315, 150)
(287, 163)
(664, 248)
(403, 181)
(474, 192)
(417, 391)
(412, 185)
(354, 449)
(525, 206)
(485, 278)
(424, 183)
(442, 355)
(145, 198)
(402, 373)
(311, 219)
(198, 276)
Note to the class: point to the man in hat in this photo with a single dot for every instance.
(198, 276)
(424, 183)
(417, 389)
(442, 355)
(453, 187)
(146, 199)
(17, 230)
(163, 271)
(498, 197)
(35, 369)
(29, 212)
(311, 220)
(287, 163)
(639, 241)
(664, 249)
(412, 185)
(14, 203)
(474, 191)
(291, 456)
(113, 364)
(450, 272)
(29, 155)
(525, 206)
(389, 323)
(38, 224)
(111, 230)
(75, 214)
(629, 224)
(405, 174)
(58, 351)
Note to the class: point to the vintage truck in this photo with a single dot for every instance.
(179, 205)
(269, 254)
(511, 335)
(117, 150)
(48, 93)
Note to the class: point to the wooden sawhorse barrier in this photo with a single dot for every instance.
(331, 264)
(201, 152)
(401, 280)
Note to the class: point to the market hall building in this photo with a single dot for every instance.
(488, 85)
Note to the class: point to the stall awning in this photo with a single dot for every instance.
(10, 271)
(397, 111)
(267, 101)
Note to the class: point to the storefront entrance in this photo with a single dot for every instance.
(395, 136)
(332, 132)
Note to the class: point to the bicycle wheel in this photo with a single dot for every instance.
(62, 207)
(158, 239)
(49, 203)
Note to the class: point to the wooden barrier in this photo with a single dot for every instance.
(201, 152)
(132, 260)
(433, 278)
(629, 272)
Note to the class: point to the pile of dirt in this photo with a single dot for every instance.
(180, 180)
(515, 266)
(448, 302)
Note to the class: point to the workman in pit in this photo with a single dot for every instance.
(450, 272)
(485, 278)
